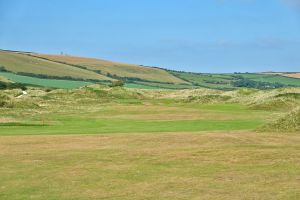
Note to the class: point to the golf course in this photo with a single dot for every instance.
(101, 142)
(150, 100)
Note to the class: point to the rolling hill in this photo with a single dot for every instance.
(17, 62)
(115, 69)
(287, 74)
(56, 70)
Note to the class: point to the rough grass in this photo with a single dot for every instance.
(288, 123)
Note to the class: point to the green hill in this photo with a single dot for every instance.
(38, 69)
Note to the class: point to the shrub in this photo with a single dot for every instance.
(117, 84)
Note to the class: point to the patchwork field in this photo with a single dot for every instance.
(98, 142)
(92, 70)
(287, 74)
(48, 83)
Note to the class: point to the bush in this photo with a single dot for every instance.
(247, 83)
(3, 69)
(117, 84)
(4, 86)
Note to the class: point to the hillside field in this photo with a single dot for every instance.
(91, 70)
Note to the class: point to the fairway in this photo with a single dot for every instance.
(138, 118)
(98, 142)
(150, 100)
(202, 165)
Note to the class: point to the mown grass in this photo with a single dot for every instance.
(114, 143)
(129, 117)
(234, 165)
(84, 126)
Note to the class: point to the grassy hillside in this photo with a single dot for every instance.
(271, 78)
(16, 62)
(287, 74)
(72, 68)
(114, 68)
(227, 81)
(4, 79)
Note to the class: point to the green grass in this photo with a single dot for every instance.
(273, 79)
(88, 126)
(139, 86)
(214, 81)
(143, 77)
(165, 86)
(99, 142)
(64, 84)
(223, 81)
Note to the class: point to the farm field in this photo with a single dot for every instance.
(20, 63)
(115, 68)
(98, 142)
(85, 70)
(50, 83)
(286, 74)
(224, 81)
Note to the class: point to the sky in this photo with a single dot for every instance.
(190, 35)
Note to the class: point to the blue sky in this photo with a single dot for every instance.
(190, 35)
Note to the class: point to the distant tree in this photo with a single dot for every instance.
(2, 69)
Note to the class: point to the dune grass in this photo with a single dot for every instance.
(287, 123)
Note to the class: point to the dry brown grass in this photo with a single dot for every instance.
(17, 62)
(292, 75)
(236, 165)
(3, 79)
(119, 69)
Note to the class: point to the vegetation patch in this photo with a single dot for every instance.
(208, 98)
(20, 124)
(288, 123)
(65, 84)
